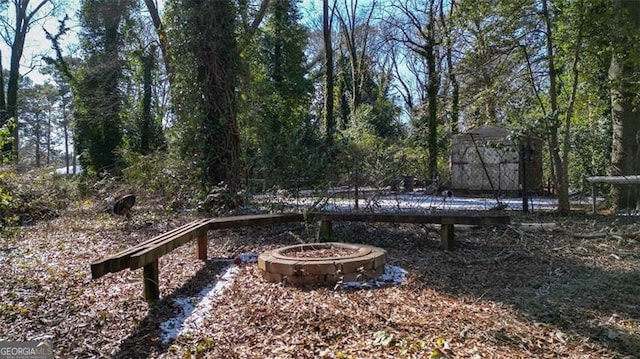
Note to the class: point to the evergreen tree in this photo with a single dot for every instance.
(97, 96)
(283, 94)
(205, 56)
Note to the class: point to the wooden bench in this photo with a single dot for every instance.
(446, 221)
(146, 254)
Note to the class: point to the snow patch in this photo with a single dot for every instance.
(416, 201)
(194, 310)
(392, 275)
(248, 257)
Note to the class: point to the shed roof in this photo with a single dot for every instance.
(489, 131)
(483, 133)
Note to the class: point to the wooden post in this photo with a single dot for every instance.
(326, 231)
(151, 288)
(593, 197)
(524, 158)
(201, 248)
(446, 236)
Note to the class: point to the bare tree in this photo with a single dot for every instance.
(415, 25)
(355, 33)
(27, 13)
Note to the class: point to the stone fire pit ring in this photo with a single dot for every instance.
(322, 263)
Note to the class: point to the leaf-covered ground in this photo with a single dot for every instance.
(505, 293)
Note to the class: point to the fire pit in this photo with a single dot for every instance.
(322, 263)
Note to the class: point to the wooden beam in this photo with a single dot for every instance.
(418, 218)
(149, 254)
(151, 289)
(254, 220)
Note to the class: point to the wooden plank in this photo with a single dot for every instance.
(418, 218)
(120, 260)
(151, 276)
(201, 248)
(148, 254)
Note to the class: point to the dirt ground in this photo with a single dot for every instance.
(568, 292)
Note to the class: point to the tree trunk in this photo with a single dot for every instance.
(65, 129)
(625, 152)
(330, 122)
(560, 177)
(12, 89)
(432, 94)
(38, 138)
(23, 22)
(146, 135)
(162, 38)
(3, 104)
(455, 87)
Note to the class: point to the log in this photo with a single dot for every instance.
(535, 227)
(632, 179)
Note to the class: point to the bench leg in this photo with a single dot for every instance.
(446, 237)
(151, 288)
(326, 231)
(201, 248)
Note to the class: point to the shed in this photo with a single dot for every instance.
(487, 159)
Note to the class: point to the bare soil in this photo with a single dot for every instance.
(505, 293)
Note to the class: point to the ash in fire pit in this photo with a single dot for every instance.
(322, 263)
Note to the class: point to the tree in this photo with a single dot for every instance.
(567, 25)
(145, 87)
(97, 95)
(446, 23)
(36, 112)
(330, 122)
(276, 102)
(625, 108)
(355, 36)
(27, 13)
(61, 70)
(162, 36)
(202, 39)
(490, 65)
(416, 29)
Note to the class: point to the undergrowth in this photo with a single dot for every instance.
(34, 195)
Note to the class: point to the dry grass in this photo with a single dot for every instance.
(504, 294)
